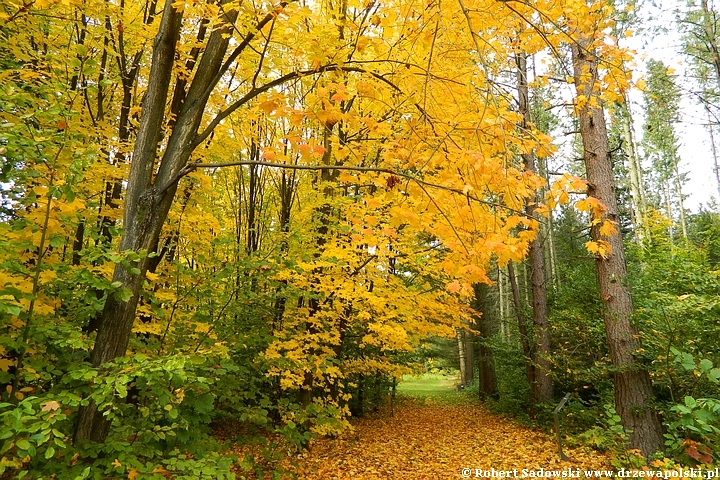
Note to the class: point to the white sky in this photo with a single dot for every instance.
(695, 146)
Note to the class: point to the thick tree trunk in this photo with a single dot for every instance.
(633, 389)
(536, 255)
(148, 198)
(486, 365)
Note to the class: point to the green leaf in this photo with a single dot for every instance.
(57, 241)
(124, 295)
(49, 453)
(23, 444)
(197, 359)
(690, 402)
(688, 362)
(69, 193)
(705, 365)
(121, 390)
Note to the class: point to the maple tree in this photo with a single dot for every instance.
(263, 209)
(154, 93)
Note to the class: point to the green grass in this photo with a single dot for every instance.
(426, 386)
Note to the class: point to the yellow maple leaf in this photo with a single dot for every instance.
(607, 228)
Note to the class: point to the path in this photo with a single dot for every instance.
(433, 439)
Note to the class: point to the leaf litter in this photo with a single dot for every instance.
(436, 441)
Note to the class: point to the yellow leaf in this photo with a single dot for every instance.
(608, 228)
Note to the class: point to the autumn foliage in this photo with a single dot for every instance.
(351, 172)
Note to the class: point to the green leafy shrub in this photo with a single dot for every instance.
(694, 433)
(161, 410)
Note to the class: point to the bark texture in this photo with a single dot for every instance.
(633, 390)
(542, 387)
(522, 329)
(149, 197)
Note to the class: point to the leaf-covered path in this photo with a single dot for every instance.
(433, 439)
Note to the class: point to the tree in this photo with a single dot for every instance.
(701, 42)
(660, 140)
(542, 385)
(486, 365)
(623, 116)
(633, 388)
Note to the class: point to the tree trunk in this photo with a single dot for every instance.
(681, 202)
(469, 358)
(524, 336)
(486, 365)
(716, 166)
(501, 302)
(633, 388)
(536, 255)
(637, 192)
(148, 199)
(460, 335)
(668, 211)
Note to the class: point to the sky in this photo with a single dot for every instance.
(695, 147)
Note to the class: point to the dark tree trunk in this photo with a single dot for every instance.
(524, 334)
(486, 365)
(543, 388)
(633, 389)
(148, 200)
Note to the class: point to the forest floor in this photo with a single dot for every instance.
(437, 433)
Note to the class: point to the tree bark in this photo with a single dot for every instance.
(536, 255)
(460, 336)
(633, 389)
(469, 357)
(148, 199)
(486, 365)
(637, 191)
(716, 165)
(501, 302)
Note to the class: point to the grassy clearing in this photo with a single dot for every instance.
(429, 386)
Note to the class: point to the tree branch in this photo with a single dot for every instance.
(189, 168)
